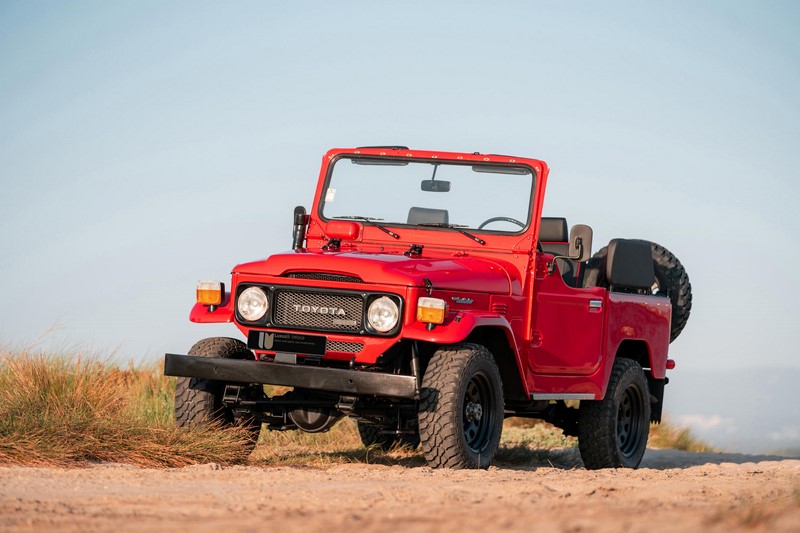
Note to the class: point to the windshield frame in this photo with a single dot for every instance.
(534, 177)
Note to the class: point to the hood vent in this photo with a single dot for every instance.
(323, 276)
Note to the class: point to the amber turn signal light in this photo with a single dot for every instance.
(431, 310)
(210, 292)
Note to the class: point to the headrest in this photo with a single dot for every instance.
(629, 264)
(423, 215)
(553, 229)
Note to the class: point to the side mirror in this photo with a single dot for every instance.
(435, 186)
(299, 228)
(580, 243)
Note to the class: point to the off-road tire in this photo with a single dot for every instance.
(612, 432)
(670, 275)
(199, 401)
(453, 434)
(371, 436)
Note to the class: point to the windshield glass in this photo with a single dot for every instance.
(478, 197)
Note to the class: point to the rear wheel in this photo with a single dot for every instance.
(199, 401)
(461, 407)
(612, 432)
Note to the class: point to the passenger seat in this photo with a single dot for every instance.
(424, 215)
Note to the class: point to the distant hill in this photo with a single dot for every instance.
(794, 453)
(750, 410)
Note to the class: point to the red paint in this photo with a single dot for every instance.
(394, 268)
(343, 229)
(202, 315)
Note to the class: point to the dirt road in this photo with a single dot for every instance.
(673, 491)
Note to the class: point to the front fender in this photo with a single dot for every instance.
(224, 313)
(456, 328)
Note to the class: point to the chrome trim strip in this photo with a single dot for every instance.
(562, 396)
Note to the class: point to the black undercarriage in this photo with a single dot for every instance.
(318, 411)
(386, 397)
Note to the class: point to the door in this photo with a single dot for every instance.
(568, 327)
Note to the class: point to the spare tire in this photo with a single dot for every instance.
(671, 280)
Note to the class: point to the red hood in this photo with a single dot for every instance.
(463, 274)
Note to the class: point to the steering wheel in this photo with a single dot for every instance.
(501, 219)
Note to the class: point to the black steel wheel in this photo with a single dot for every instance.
(461, 407)
(477, 401)
(199, 401)
(612, 432)
(631, 429)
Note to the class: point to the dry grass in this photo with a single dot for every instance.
(666, 436)
(69, 410)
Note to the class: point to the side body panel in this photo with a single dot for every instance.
(633, 317)
(580, 360)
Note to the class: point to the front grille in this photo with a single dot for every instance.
(332, 312)
(322, 276)
(346, 347)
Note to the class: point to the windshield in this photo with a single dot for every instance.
(479, 197)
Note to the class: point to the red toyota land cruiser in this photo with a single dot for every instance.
(426, 297)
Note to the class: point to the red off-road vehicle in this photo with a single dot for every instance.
(427, 297)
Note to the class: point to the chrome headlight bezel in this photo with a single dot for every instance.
(252, 304)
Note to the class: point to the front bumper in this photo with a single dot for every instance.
(355, 382)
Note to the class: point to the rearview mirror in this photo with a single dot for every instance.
(580, 243)
(435, 186)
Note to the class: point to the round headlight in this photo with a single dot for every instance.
(252, 304)
(383, 314)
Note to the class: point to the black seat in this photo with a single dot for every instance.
(629, 264)
(424, 215)
(554, 235)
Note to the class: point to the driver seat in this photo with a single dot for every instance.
(424, 215)
(554, 239)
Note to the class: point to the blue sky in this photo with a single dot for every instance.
(145, 145)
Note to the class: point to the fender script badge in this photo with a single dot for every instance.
(460, 300)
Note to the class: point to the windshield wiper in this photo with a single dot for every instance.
(371, 222)
(456, 227)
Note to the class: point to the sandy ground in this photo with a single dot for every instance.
(673, 491)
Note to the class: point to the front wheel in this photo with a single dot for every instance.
(612, 432)
(461, 408)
